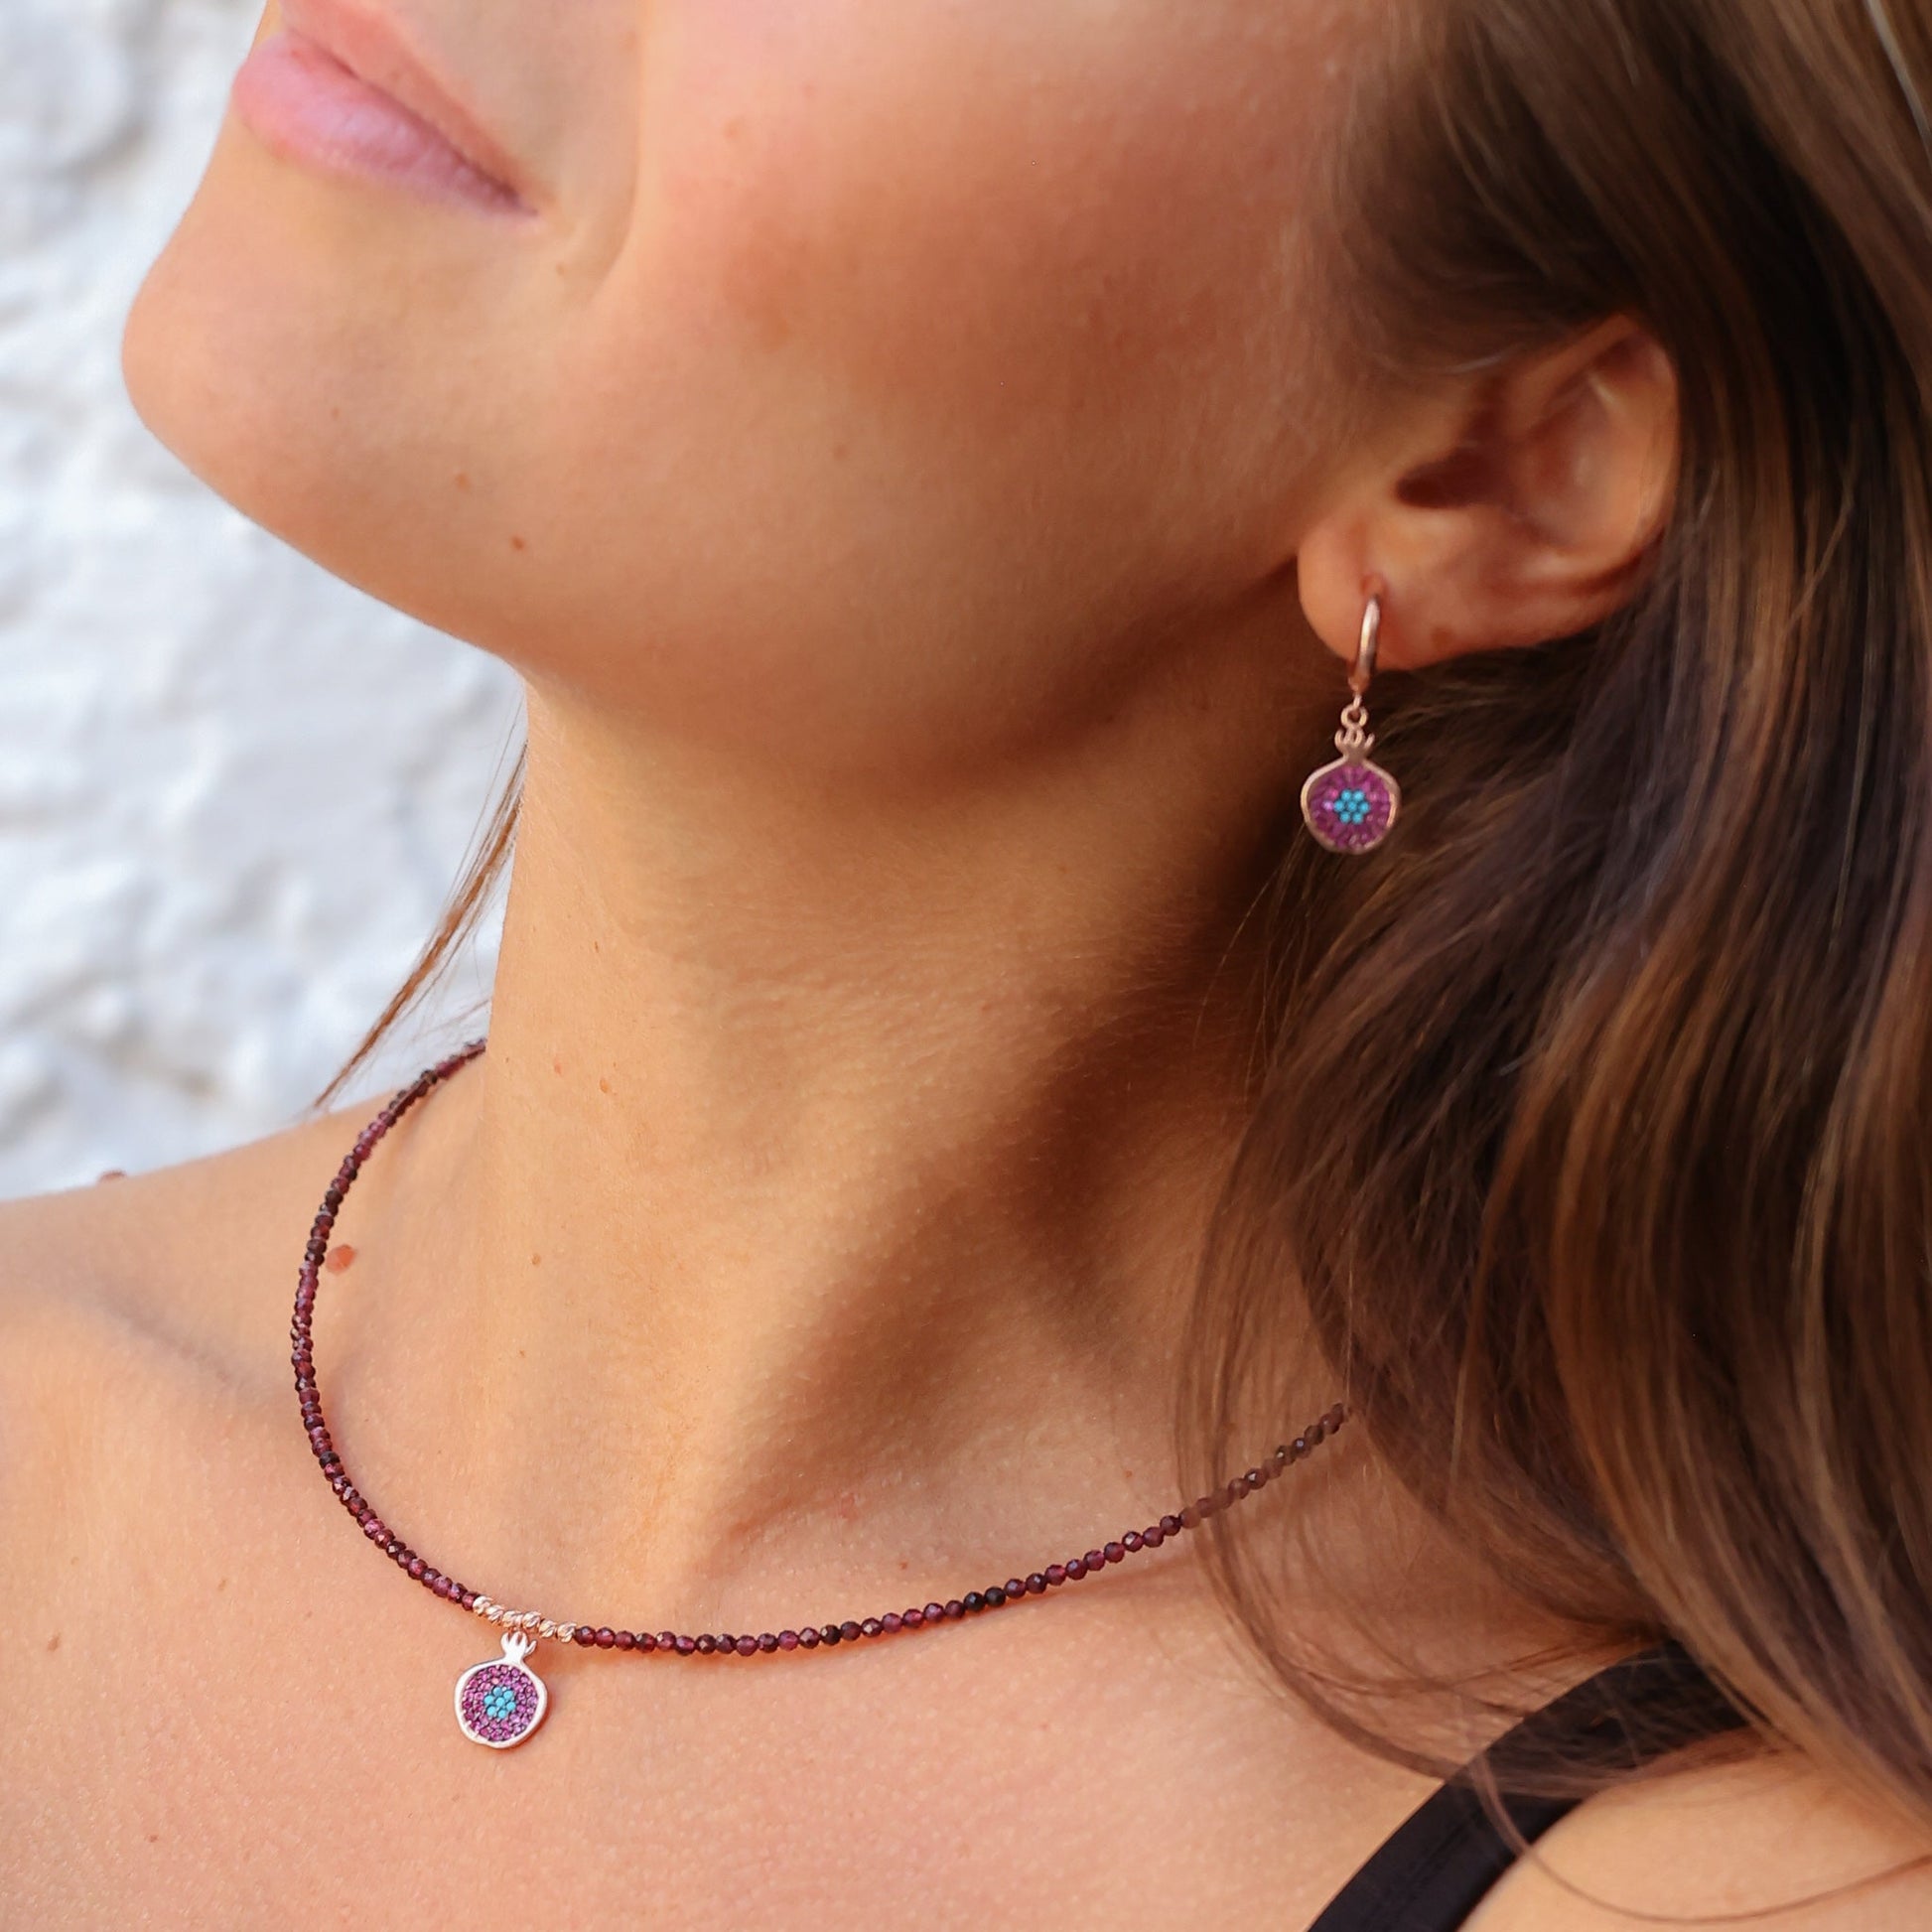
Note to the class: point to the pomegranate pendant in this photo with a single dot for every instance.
(500, 1703)
(1351, 804)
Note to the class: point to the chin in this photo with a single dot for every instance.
(290, 347)
(615, 495)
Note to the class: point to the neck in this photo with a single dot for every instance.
(838, 1172)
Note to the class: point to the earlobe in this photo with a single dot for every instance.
(1521, 508)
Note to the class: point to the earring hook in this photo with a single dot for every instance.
(1365, 651)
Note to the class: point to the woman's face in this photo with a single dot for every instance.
(876, 375)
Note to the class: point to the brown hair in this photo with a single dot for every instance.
(1613, 1209)
(1616, 1205)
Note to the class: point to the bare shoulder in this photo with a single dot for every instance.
(1773, 1843)
(123, 1300)
(160, 1251)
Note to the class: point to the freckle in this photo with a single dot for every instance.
(339, 1258)
(536, 1261)
(154, 1838)
(604, 1086)
(222, 1584)
(557, 1065)
(518, 543)
(463, 480)
(53, 1643)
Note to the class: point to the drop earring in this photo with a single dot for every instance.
(1350, 805)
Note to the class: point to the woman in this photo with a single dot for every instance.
(939, 472)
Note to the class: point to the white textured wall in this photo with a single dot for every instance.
(218, 853)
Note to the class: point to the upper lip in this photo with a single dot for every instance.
(374, 47)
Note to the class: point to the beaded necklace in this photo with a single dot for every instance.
(501, 1702)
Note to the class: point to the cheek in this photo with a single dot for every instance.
(991, 210)
(960, 326)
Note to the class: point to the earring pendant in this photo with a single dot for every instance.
(1352, 804)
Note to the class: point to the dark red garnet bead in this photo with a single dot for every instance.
(315, 1426)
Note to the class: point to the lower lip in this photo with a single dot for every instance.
(301, 103)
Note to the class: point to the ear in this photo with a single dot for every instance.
(1520, 508)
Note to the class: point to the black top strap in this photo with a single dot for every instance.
(1434, 1869)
